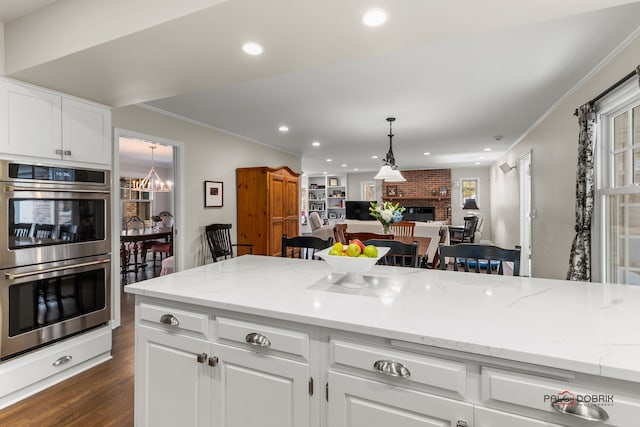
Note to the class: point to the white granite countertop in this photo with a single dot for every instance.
(589, 328)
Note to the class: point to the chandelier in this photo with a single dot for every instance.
(389, 171)
(152, 182)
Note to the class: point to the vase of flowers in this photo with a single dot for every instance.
(387, 214)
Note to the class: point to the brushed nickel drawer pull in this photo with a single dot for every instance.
(201, 358)
(213, 361)
(169, 319)
(393, 369)
(581, 410)
(257, 339)
(62, 360)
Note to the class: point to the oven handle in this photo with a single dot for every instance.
(13, 276)
(12, 189)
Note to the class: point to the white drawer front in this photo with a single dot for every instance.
(427, 370)
(279, 339)
(534, 392)
(175, 319)
(485, 417)
(23, 371)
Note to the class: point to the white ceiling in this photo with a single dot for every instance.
(454, 80)
(12, 9)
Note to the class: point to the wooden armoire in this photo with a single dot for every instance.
(267, 207)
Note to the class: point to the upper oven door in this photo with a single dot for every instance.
(47, 225)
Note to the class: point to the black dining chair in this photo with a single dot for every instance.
(68, 232)
(466, 234)
(21, 229)
(400, 255)
(219, 240)
(478, 258)
(304, 247)
(43, 231)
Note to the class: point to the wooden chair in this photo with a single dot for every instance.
(68, 232)
(362, 236)
(479, 257)
(21, 229)
(339, 231)
(219, 240)
(403, 228)
(135, 223)
(435, 263)
(162, 248)
(304, 247)
(43, 231)
(400, 255)
(467, 234)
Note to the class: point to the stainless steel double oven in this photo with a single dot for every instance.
(55, 243)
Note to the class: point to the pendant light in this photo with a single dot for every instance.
(152, 182)
(389, 171)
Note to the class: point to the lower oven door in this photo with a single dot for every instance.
(43, 303)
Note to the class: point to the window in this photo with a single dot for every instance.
(618, 197)
(368, 190)
(469, 190)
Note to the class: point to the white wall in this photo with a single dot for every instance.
(354, 180)
(484, 197)
(209, 155)
(2, 72)
(553, 144)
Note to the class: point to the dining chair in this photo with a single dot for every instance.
(166, 219)
(400, 255)
(362, 236)
(162, 248)
(68, 232)
(403, 228)
(339, 231)
(435, 263)
(219, 240)
(21, 229)
(466, 234)
(304, 247)
(474, 257)
(43, 231)
(135, 223)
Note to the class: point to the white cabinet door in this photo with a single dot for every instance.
(255, 389)
(360, 402)
(86, 132)
(31, 121)
(172, 387)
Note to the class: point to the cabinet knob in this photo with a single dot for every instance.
(582, 410)
(461, 423)
(58, 151)
(257, 339)
(393, 369)
(201, 358)
(213, 361)
(169, 319)
(67, 152)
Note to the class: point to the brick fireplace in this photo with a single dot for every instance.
(423, 188)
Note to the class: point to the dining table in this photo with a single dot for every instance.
(423, 245)
(136, 236)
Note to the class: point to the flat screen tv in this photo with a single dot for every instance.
(358, 209)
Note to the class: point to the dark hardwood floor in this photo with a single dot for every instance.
(101, 396)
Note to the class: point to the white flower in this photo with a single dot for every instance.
(387, 215)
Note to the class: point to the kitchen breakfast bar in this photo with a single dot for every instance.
(273, 341)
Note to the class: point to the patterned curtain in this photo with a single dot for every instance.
(580, 259)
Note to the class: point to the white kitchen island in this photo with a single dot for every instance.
(273, 342)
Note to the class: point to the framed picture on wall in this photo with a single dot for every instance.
(392, 190)
(213, 194)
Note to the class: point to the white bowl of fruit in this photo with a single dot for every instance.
(353, 259)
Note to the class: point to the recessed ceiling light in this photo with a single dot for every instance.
(427, 153)
(252, 48)
(374, 17)
(283, 128)
(325, 172)
(315, 144)
(374, 157)
(344, 165)
(487, 149)
(477, 163)
(355, 169)
(329, 160)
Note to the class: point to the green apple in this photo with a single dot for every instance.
(370, 251)
(334, 252)
(353, 250)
